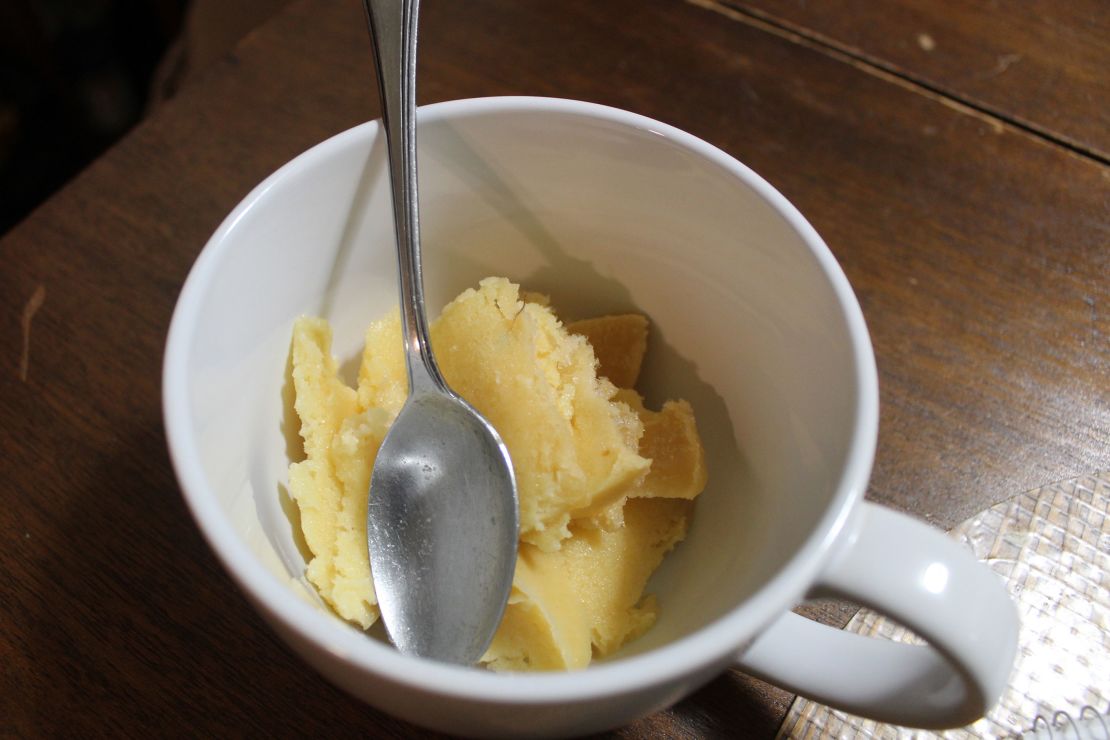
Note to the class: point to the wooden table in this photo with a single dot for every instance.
(955, 159)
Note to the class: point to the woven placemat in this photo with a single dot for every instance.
(1052, 548)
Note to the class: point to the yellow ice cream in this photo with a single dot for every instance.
(604, 483)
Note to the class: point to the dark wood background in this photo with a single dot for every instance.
(953, 155)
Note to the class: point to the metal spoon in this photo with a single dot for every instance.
(442, 521)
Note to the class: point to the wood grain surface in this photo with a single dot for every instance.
(978, 249)
(1041, 64)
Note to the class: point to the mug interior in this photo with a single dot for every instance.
(605, 213)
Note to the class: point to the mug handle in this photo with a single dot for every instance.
(920, 577)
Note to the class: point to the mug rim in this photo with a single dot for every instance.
(722, 640)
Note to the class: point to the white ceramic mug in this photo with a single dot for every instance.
(753, 322)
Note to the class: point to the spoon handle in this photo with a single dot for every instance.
(393, 27)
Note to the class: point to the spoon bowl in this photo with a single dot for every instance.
(442, 521)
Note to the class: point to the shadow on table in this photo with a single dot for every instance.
(731, 705)
(134, 628)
